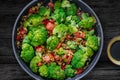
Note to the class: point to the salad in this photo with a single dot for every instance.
(57, 40)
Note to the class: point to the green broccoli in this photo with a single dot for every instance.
(88, 51)
(59, 15)
(79, 59)
(56, 72)
(60, 30)
(87, 22)
(32, 20)
(38, 37)
(43, 11)
(71, 10)
(72, 21)
(43, 70)
(92, 42)
(27, 52)
(34, 28)
(57, 5)
(71, 44)
(89, 33)
(65, 3)
(26, 40)
(33, 64)
(52, 42)
(72, 29)
(69, 72)
(61, 51)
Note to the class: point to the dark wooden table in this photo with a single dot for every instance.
(109, 14)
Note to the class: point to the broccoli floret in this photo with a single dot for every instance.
(32, 20)
(92, 42)
(57, 5)
(79, 59)
(71, 10)
(72, 29)
(89, 33)
(27, 52)
(26, 40)
(34, 28)
(65, 3)
(69, 72)
(61, 51)
(43, 11)
(52, 42)
(71, 44)
(38, 37)
(43, 70)
(59, 15)
(88, 51)
(56, 72)
(87, 22)
(60, 30)
(33, 64)
(72, 21)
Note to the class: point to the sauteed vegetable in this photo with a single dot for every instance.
(57, 40)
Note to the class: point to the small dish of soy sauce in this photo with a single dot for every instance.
(113, 50)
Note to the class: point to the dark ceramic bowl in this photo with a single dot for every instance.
(98, 30)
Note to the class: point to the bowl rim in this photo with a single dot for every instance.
(77, 77)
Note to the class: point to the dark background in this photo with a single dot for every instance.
(109, 14)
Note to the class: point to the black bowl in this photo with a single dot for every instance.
(85, 8)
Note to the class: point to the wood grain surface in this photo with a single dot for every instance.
(107, 10)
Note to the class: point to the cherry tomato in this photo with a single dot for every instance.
(45, 21)
(22, 31)
(51, 5)
(57, 58)
(78, 71)
(39, 64)
(51, 55)
(38, 48)
(50, 26)
(77, 35)
(67, 37)
(46, 58)
(19, 37)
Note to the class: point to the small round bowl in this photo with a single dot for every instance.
(85, 8)
(112, 59)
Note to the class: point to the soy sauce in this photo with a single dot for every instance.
(115, 50)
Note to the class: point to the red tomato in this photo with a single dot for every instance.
(45, 21)
(59, 45)
(22, 31)
(51, 5)
(46, 58)
(50, 26)
(67, 37)
(19, 37)
(57, 58)
(39, 64)
(51, 55)
(38, 49)
(79, 35)
(78, 71)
